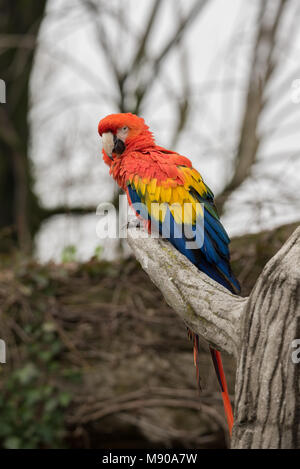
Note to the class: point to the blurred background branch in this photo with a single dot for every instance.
(263, 67)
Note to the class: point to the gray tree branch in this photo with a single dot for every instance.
(206, 307)
(267, 393)
(258, 331)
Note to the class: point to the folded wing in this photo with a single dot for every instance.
(183, 211)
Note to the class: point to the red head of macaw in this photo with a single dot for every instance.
(129, 149)
(148, 174)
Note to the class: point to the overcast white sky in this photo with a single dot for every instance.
(72, 90)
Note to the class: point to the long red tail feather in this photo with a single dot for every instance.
(217, 361)
(218, 365)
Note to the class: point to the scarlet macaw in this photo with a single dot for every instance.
(149, 173)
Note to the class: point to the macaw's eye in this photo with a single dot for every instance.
(122, 133)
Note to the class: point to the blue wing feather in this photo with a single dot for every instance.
(212, 255)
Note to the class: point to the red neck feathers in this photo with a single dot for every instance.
(141, 142)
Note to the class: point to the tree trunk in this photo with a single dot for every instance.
(267, 394)
(257, 330)
(20, 209)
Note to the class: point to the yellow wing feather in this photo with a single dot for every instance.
(183, 205)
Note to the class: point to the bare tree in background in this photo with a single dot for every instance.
(264, 65)
(136, 74)
(134, 77)
(142, 63)
(265, 62)
(21, 213)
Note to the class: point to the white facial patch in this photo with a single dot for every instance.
(122, 133)
(108, 142)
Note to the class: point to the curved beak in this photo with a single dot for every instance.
(119, 145)
(108, 143)
(112, 144)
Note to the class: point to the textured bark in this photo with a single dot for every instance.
(267, 395)
(257, 330)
